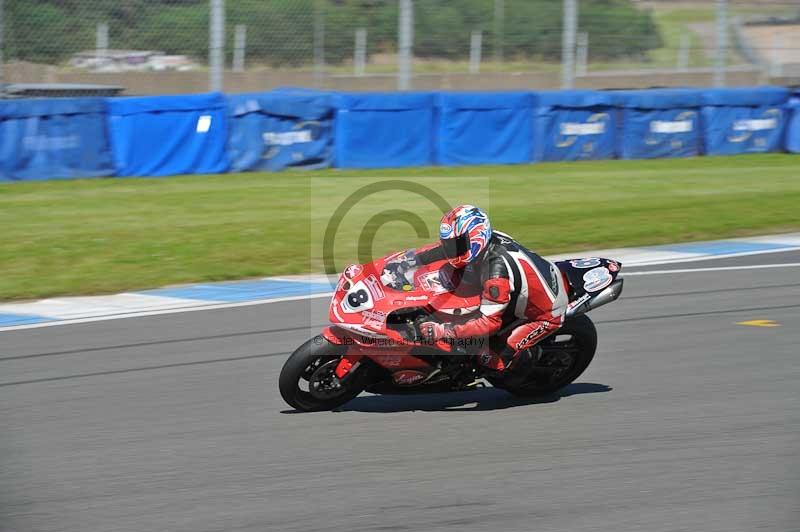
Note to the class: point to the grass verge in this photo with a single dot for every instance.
(109, 235)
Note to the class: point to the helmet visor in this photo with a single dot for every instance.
(455, 247)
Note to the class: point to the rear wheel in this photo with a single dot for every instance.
(308, 382)
(565, 356)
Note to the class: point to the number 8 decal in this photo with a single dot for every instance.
(597, 279)
(356, 299)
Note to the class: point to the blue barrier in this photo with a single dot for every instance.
(659, 123)
(210, 133)
(484, 128)
(382, 130)
(280, 129)
(574, 125)
(53, 139)
(167, 135)
(792, 141)
(749, 120)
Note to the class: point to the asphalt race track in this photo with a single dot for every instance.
(684, 421)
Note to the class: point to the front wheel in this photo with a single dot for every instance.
(308, 382)
(565, 356)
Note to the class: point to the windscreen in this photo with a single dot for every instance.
(398, 272)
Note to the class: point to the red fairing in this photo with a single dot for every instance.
(332, 337)
(494, 300)
(392, 360)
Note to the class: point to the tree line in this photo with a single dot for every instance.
(281, 32)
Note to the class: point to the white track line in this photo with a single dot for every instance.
(177, 310)
(215, 306)
(702, 258)
(718, 269)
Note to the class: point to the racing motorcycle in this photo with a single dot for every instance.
(374, 342)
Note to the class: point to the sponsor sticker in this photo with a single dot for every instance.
(360, 330)
(374, 319)
(432, 283)
(445, 230)
(287, 138)
(51, 142)
(390, 361)
(677, 126)
(578, 302)
(408, 377)
(758, 124)
(416, 298)
(582, 128)
(375, 288)
(353, 271)
(613, 266)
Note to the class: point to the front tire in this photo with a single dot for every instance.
(565, 356)
(307, 381)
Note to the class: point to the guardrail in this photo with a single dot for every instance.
(214, 133)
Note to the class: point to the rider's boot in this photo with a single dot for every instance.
(520, 364)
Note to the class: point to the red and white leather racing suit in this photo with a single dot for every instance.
(519, 288)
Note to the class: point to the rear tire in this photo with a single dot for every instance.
(311, 366)
(565, 356)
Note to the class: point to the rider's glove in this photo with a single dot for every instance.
(433, 331)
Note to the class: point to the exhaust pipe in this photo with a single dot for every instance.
(611, 293)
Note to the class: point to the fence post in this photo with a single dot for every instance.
(683, 53)
(582, 54)
(475, 44)
(101, 43)
(775, 66)
(216, 48)
(360, 52)
(499, 29)
(2, 74)
(569, 28)
(720, 57)
(405, 40)
(319, 43)
(239, 47)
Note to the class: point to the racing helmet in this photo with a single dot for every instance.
(464, 233)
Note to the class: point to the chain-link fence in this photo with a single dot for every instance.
(176, 46)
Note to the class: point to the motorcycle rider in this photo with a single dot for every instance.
(523, 296)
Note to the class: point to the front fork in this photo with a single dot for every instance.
(347, 365)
